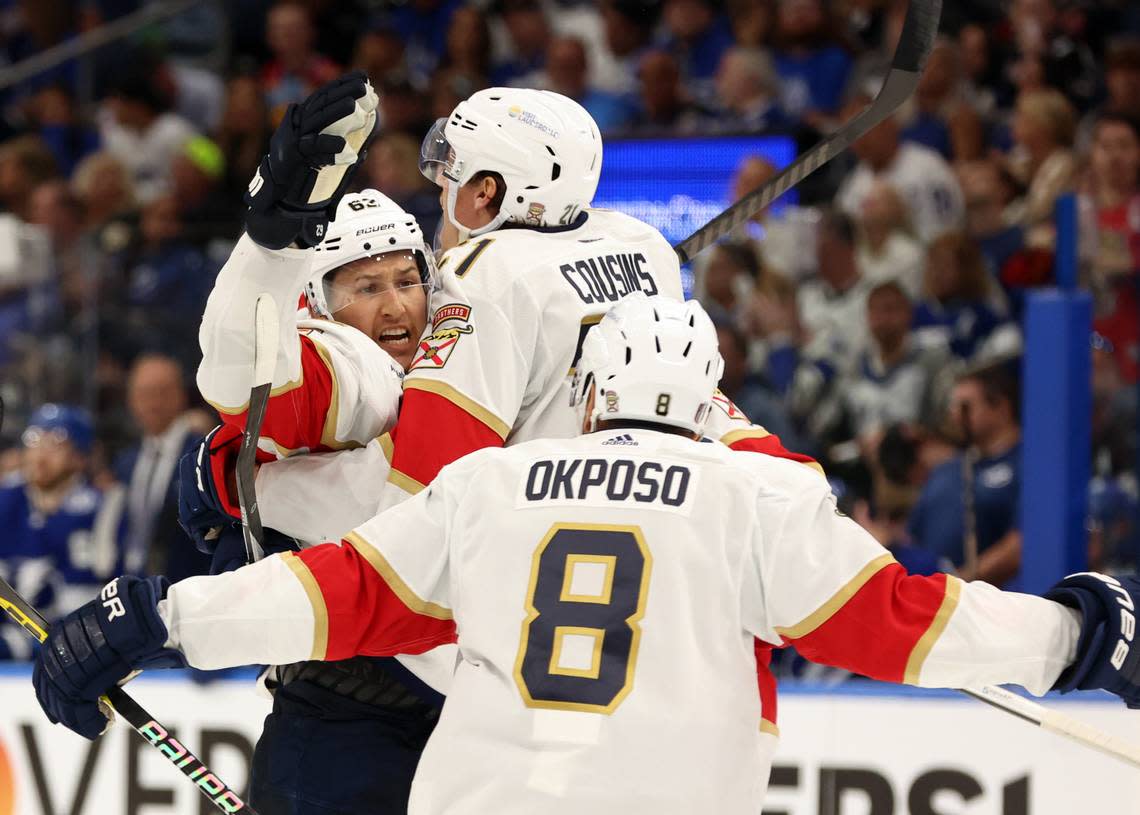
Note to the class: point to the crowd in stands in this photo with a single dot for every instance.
(875, 324)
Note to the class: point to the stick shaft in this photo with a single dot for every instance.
(1056, 722)
(264, 362)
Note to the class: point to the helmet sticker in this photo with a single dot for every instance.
(536, 214)
(528, 118)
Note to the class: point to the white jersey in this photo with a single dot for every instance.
(493, 369)
(924, 180)
(605, 593)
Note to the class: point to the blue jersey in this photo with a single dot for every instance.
(58, 561)
(937, 521)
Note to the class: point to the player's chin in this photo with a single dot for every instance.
(399, 344)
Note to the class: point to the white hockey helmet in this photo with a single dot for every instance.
(546, 147)
(650, 359)
(368, 224)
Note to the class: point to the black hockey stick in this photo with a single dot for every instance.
(264, 360)
(917, 38)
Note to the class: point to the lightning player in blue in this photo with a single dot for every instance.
(61, 533)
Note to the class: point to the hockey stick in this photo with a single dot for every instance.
(1056, 722)
(918, 32)
(220, 795)
(264, 361)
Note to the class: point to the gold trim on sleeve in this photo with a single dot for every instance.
(405, 482)
(837, 601)
(732, 437)
(278, 391)
(941, 618)
(316, 599)
(396, 583)
(466, 403)
(387, 446)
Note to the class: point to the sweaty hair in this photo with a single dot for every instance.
(500, 187)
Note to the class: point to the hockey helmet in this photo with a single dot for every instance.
(546, 147)
(650, 359)
(63, 422)
(368, 224)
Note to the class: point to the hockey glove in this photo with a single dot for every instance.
(1108, 657)
(312, 157)
(205, 511)
(97, 646)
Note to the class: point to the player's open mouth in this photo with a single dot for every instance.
(395, 340)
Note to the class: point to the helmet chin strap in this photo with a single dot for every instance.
(466, 232)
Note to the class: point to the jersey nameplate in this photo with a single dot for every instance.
(608, 278)
(603, 481)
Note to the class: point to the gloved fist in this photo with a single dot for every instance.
(205, 511)
(1108, 657)
(204, 504)
(312, 157)
(98, 645)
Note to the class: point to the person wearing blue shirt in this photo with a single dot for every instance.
(61, 534)
(813, 67)
(985, 403)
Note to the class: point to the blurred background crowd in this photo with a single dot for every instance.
(875, 324)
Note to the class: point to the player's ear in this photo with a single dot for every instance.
(488, 190)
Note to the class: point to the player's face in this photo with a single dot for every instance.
(49, 459)
(384, 298)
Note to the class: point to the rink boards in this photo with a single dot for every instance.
(861, 751)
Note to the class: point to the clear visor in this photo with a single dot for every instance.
(392, 274)
(437, 156)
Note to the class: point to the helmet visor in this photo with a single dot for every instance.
(390, 274)
(437, 156)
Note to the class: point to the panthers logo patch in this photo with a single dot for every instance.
(436, 348)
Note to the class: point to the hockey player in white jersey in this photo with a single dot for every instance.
(605, 592)
(538, 266)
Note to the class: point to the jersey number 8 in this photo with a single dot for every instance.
(588, 587)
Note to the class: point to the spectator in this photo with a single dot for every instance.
(942, 120)
(25, 163)
(1110, 203)
(567, 73)
(155, 543)
(529, 35)
(167, 283)
(209, 212)
(919, 174)
(748, 391)
(1064, 61)
(243, 134)
(985, 405)
(663, 104)
(782, 230)
(813, 67)
(1044, 126)
(748, 92)
(53, 113)
(107, 195)
(60, 212)
(894, 378)
(60, 540)
(697, 34)
(423, 27)
(957, 310)
(979, 69)
(379, 49)
(468, 43)
(1122, 83)
(886, 246)
(627, 26)
(753, 22)
(724, 284)
(296, 70)
(138, 128)
(990, 215)
(834, 304)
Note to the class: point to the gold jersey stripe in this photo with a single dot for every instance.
(278, 391)
(405, 482)
(838, 600)
(316, 599)
(387, 445)
(401, 589)
(923, 647)
(732, 437)
(461, 401)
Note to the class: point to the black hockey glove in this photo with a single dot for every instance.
(1108, 656)
(98, 645)
(312, 157)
